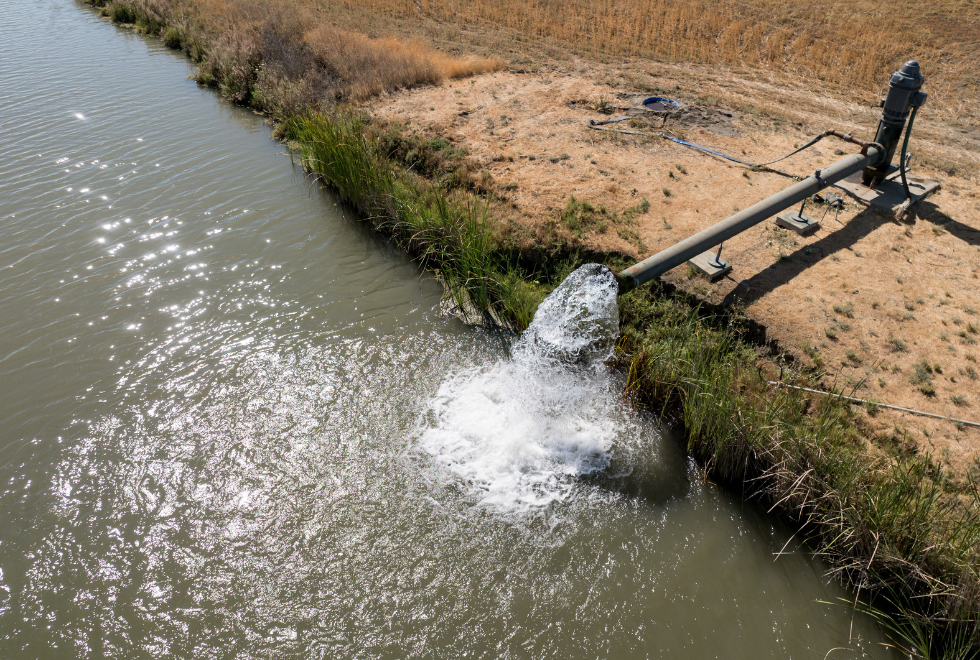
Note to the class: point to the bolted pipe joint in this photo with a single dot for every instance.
(903, 95)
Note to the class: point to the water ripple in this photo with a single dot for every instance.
(212, 387)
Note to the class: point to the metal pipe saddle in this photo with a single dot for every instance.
(874, 160)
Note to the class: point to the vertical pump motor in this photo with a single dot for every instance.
(903, 95)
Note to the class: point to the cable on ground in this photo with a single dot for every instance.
(875, 403)
(598, 125)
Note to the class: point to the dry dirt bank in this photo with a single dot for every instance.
(888, 308)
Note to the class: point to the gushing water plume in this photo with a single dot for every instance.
(519, 433)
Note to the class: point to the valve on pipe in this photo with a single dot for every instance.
(874, 162)
(903, 95)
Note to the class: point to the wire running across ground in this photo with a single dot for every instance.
(599, 126)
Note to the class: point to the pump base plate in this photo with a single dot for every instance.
(889, 194)
(794, 221)
(711, 266)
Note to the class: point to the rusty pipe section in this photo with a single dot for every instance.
(846, 137)
(673, 256)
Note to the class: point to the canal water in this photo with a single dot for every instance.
(233, 424)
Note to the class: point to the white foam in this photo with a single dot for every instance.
(578, 322)
(520, 432)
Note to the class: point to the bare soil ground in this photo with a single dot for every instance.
(889, 308)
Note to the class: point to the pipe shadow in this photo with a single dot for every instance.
(865, 222)
(926, 210)
(795, 264)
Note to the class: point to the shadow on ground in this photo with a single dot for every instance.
(842, 238)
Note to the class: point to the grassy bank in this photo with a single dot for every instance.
(887, 519)
(889, 522)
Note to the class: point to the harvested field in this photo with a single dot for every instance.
(846, 49)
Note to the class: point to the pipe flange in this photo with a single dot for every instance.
(876, 145)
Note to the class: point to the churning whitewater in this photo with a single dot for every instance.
(520, 432)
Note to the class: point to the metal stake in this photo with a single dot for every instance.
(718, 262)
(803, 206)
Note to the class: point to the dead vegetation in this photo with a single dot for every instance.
(283, 57)
(852, 45)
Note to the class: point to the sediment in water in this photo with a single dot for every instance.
(887, 520)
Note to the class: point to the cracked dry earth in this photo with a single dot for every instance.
(889, 308)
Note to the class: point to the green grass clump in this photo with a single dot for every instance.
(898, 345)
(879, 521)
(118, 13)
(436, 159)
(630, 213)
(451, 234)
(814, 354)
(172, 37)
(582, 217)
(922, 377)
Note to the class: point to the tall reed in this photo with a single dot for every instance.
(893, 525)
(451, 234)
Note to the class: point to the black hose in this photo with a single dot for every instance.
(598, 124)
(905, 146)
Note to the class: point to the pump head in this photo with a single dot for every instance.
(903, 95)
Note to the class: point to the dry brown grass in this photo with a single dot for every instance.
(854, 44)
(371, 66)
(285, 56)
(310, 48)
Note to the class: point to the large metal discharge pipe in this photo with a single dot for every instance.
(903, 95)
(661, 262)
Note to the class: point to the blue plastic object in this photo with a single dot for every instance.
(660, 104)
